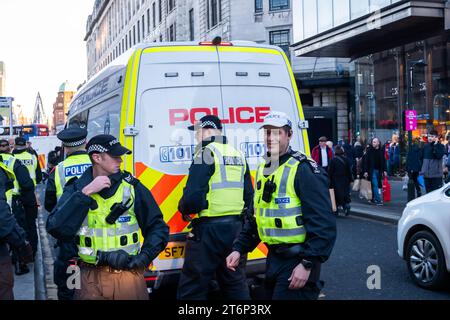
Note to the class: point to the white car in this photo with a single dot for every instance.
(423, 237)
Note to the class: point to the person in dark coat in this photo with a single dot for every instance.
(374, 165)
(431, 157)
(340, 178)
(414, 164)
(358, 152)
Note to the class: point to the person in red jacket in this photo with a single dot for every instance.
(322, 154)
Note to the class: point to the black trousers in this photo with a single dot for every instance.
(6, 274)
(432, 184)
(414, 177)
(204, 261)
(279, 270)
(64, 253)
(27, 220)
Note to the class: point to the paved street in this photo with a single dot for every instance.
(361, 243)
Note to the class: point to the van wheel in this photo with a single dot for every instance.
(426, 261)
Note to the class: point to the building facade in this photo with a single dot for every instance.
(2, 79)
(61, 106)
(324, 83)
(401, 54)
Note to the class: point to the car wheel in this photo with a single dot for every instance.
(426, 261)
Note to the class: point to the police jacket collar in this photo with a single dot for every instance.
(217, 139)
(76, 153)
(15, 151)
(88, 177)
(285, 157)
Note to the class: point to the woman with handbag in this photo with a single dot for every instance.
(375, 169)
(341, 177)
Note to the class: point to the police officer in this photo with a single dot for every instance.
(11, 234)
(105, 211)
(77, 161)
(23, 204)
(219, 189)
(22, 153)
(293, 217)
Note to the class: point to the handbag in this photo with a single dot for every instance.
(356, 185)
(365, 190)
(333, 200)
(386, 190)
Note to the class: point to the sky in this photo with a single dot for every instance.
(41, 44)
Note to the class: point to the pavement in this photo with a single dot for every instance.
(389, 212)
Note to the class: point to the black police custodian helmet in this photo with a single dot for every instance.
(106, 143)
(73, 136)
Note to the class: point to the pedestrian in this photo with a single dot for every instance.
(322, 154)
(11, 234)
(386, 157)
(106, 210)
(219, 189)
(431, 157)
(375, 168)
(23, 202)
(340, 179)
(77, 161)
(414, 165)
(293, 217)
(394, 155)
(358, 153)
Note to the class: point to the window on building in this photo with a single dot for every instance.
(281, 38)
(129, 11)
(134, 6)
(214, 12)
(139, 31)
(138, 5)
(154, 14)
(134, 35)
(191, 25)
(171, 5)
(148, 20)
(278, 4)
(172, 36)
(341, 12)
(143, 26)
(359, 8)
(129, 39)
(258, 5)
(160, 10)
(160, 38)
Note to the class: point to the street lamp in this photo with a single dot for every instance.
(412, 64)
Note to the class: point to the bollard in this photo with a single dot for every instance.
(411, 190)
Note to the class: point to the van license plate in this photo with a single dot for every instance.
(174, 250)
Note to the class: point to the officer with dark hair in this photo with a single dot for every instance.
(105, 212)
(77, 161)
(11, 236)
(219, 189)
(23, 204)
(293, 217)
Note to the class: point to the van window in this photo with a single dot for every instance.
(79, 119)
(104, 118)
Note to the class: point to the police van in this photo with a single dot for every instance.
(150, 95)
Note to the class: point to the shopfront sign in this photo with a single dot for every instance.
(410, 120)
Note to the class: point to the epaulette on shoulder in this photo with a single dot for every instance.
(71, 181)
(303, 158)
(128, 177)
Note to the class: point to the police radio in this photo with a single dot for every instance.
(117, 210)
(269, 189)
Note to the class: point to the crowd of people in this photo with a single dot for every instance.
(427, 165)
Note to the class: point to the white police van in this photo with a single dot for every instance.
(150, 95)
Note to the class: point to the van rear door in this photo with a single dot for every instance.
(255, 81)
(176, 86)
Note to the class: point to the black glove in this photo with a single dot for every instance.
(140, 261)
(25, 253)
(115, 259)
